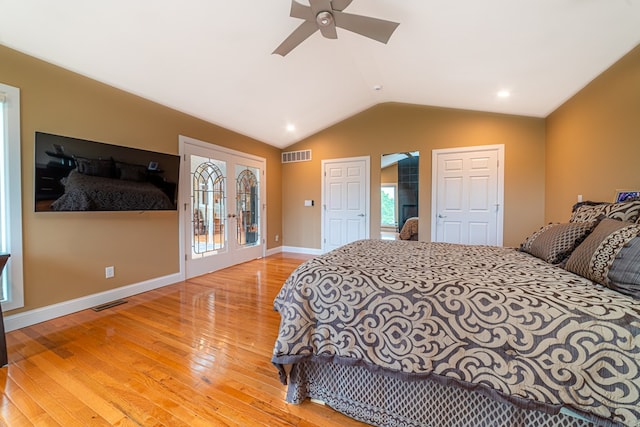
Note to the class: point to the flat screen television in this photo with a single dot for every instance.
(74, 174)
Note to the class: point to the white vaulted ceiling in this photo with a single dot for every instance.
(212, 59)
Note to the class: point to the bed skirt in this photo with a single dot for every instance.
(388, 401)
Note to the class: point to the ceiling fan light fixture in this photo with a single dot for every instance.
(324, 18)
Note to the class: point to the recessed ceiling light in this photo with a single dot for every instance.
(504, 94)
(291, 127)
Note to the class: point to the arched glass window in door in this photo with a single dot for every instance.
(247, 206)
(208, 206)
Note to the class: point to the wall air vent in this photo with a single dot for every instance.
(296, 156)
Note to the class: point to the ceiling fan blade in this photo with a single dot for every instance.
(318, 6)
(340, 5)
(374, 28)
(329, 32)
(298, 35)
(301, 11)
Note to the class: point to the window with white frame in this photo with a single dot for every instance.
(388, 206)
(11, 292)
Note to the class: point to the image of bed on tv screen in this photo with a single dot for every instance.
(79, 175)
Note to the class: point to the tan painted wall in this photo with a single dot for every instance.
(65, 253)
(593, 140)
(401, 127)
(389, 175)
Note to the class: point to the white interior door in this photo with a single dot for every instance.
(345, 201)
(467, 195)
(223, 202)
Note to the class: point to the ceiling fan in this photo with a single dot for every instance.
(326, 15)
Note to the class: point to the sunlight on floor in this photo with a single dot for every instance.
(389, 235)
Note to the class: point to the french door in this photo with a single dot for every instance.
(223, 205)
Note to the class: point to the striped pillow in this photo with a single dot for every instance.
(596, 256)
(624, 274)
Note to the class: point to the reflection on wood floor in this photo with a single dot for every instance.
(389, 235)
(196, 353)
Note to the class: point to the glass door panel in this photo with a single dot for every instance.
(208, 203)
(247, 205)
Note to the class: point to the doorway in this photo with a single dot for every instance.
(345, 201)
(223, 205)
(399, 191)
(467, 195)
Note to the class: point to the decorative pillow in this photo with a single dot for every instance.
(553, 243)
(595, 257)
(95, 167)
(625, 211)
(624, 274)
(130, 172)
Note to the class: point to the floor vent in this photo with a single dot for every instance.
(296, 156)
(108, 305)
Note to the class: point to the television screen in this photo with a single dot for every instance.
(74, 174)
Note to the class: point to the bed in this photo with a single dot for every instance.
(409, 229)
(84, 192)
(403, 333)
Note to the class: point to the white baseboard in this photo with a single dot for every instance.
(299, 250)
(293, 249)
(42, 314)
(274, 251)
(31, 317)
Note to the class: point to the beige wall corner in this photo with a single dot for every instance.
(593, 140)
(65, 253)
(399, 128)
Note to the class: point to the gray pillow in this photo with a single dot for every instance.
(553, 243)
(624, 275)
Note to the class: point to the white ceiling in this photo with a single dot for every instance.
(212, 59)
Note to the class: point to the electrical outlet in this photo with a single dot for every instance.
(109, 272)
(277, 237)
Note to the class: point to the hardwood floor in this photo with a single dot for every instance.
(196, 353)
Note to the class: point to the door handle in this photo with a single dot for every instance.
(231, 215)
(441, 216)
(361, 215)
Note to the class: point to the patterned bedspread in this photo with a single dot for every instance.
(493, 319)
(87, 193)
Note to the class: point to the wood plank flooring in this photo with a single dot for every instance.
(196, 353)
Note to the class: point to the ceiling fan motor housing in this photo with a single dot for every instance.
(324, 18)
